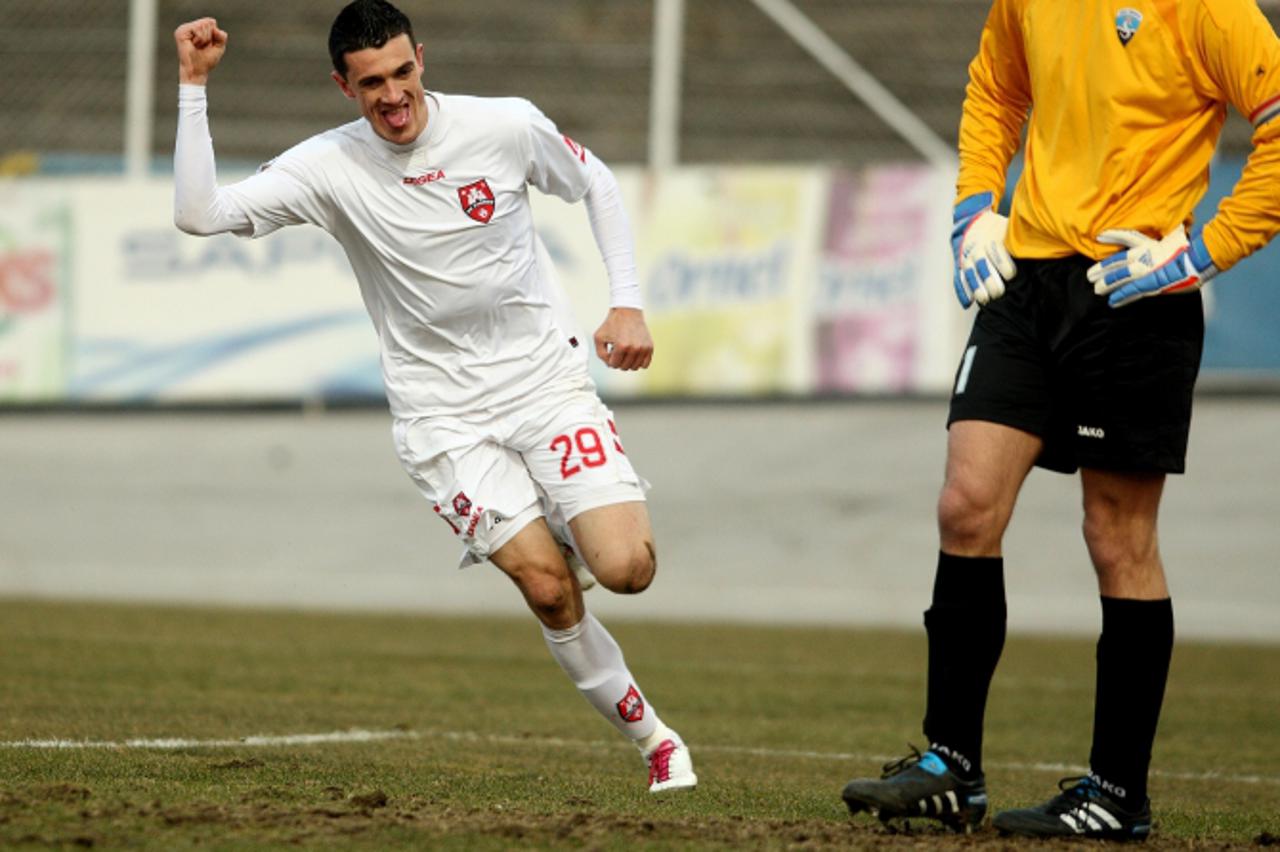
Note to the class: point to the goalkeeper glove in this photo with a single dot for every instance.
(1150, 267)
(983, 264)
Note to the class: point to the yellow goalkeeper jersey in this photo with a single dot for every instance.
(1126, 101)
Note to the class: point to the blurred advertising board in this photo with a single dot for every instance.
(756, 281)
(155, 315)
(726, 260)
(778, 280)
(884, 321)
(35, 282)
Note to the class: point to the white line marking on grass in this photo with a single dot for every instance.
(1061, 768)
(362, 736)
(254, 741)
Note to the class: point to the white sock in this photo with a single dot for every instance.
(593, 661)
(660, 733)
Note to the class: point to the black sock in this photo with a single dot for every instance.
(1133, 666)
(966, 625)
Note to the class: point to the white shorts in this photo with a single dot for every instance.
(489, 475)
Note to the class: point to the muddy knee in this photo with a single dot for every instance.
(548, 592)
(627, 571)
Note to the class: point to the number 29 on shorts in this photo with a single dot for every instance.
(590, 449)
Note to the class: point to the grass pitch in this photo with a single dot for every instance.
(490, 747)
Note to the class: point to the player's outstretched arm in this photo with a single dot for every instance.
(199, 207)
(200, 48)
(623, 340)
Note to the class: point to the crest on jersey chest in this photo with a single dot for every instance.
(477, 201)
(1127, 23)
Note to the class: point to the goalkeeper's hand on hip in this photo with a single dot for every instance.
(1149, 267)
(983, 264)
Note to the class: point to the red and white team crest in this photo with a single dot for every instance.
(631, 707)
(462, 505)
(477, 201)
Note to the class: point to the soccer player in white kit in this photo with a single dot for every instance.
(495, 417)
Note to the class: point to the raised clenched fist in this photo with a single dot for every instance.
(200, 48)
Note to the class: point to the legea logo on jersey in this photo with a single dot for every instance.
(1127, 23)
(430, 176)
(477, 200)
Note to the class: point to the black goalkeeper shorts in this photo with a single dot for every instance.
(1106, 388)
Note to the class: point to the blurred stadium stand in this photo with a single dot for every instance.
(749, 93)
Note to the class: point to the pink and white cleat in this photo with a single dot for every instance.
(671, 767)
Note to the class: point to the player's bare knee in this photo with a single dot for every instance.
(1115, 531)
(1117, 548)
(643, 569)
(546, 592)
(1098, 539)
(967, 520)
(630, 571)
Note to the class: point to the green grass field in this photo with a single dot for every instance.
(490, 747)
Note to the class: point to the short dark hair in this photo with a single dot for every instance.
(364, 24)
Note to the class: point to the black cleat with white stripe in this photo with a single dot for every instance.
(1082, 809)
(920, 785)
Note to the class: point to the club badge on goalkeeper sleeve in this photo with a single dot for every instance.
(1149, 267)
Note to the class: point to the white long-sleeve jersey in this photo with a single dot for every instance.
(440, 236)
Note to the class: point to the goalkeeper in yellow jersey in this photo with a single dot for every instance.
(1084, 352)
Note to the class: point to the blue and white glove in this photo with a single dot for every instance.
(983, 264)
(1150, 267)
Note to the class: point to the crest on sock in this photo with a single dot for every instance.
(631, 707)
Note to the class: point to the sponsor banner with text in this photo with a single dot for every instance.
(162, 316)
(760, 280)
(728, 259)
(36, 253)
(885, 319)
